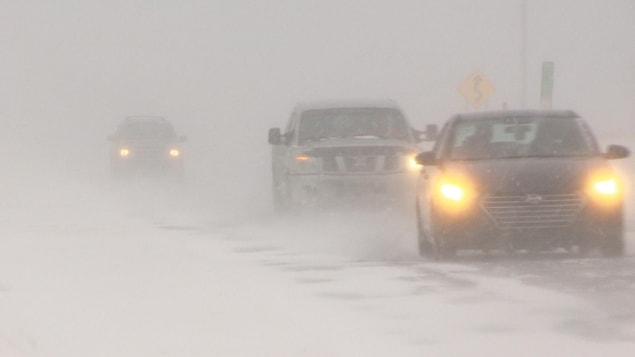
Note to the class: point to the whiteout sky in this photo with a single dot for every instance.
(226, 71)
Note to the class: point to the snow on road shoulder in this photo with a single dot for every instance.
(131, 270)
(455, 309)
(137, 290)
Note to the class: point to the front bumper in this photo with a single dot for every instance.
(478, 228)
(369, 191)
(122, 166)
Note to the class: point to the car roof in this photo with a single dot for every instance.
(527, 113)
(144, 118)
(342, 104)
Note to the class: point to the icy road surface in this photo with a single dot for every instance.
(146, 272)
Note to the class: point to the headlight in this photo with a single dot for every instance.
(305, 164)
(454, 194)
(124, 152)
(412, 163)
(604, 189)
(175, 153)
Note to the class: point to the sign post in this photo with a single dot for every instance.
(476, 89)
(546, 85)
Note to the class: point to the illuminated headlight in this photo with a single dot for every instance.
(175, 153)
(123, 152)
(606, 187)
(452, 192)
(302, 163)
(412, 163)
(455, 195)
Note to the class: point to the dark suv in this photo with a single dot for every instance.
(343, 153)
(143, 145)
(509, 180)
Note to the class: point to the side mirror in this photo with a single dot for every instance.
(182, 138)
(430, 134)
(275, 137)
(616, 152)
(426, 158)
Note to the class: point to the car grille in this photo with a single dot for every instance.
(360, 164)
(523, 212)
(361, 160)
(149, 152)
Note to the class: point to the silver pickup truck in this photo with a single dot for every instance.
(344, 153)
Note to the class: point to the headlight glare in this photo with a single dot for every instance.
(455, 194)
(413, 164)
(124, 152)
(606, 187)
(452, 191)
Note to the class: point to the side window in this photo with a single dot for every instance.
(289, 131)
(462, 132)
(588, 136)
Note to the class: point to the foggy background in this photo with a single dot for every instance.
(223, 72)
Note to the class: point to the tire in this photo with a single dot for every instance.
(612, 243)
(611, 237)
(426, 249)
(442, 249)
(609, 241)
(433, 245)
(282, 199)
(280, 204)
(613, 249)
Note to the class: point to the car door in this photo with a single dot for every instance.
(427, 177)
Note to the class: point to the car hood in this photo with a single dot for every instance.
(358, 146)
(147, 143)
(527, 175)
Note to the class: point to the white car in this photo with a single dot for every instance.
(352, 153)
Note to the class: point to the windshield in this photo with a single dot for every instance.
(146, 131)
(493, 138)
(383, 123)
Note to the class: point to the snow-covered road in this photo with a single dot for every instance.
(109, 274)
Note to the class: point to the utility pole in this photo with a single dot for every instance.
(523, 54)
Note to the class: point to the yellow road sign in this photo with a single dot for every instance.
(476, 89)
